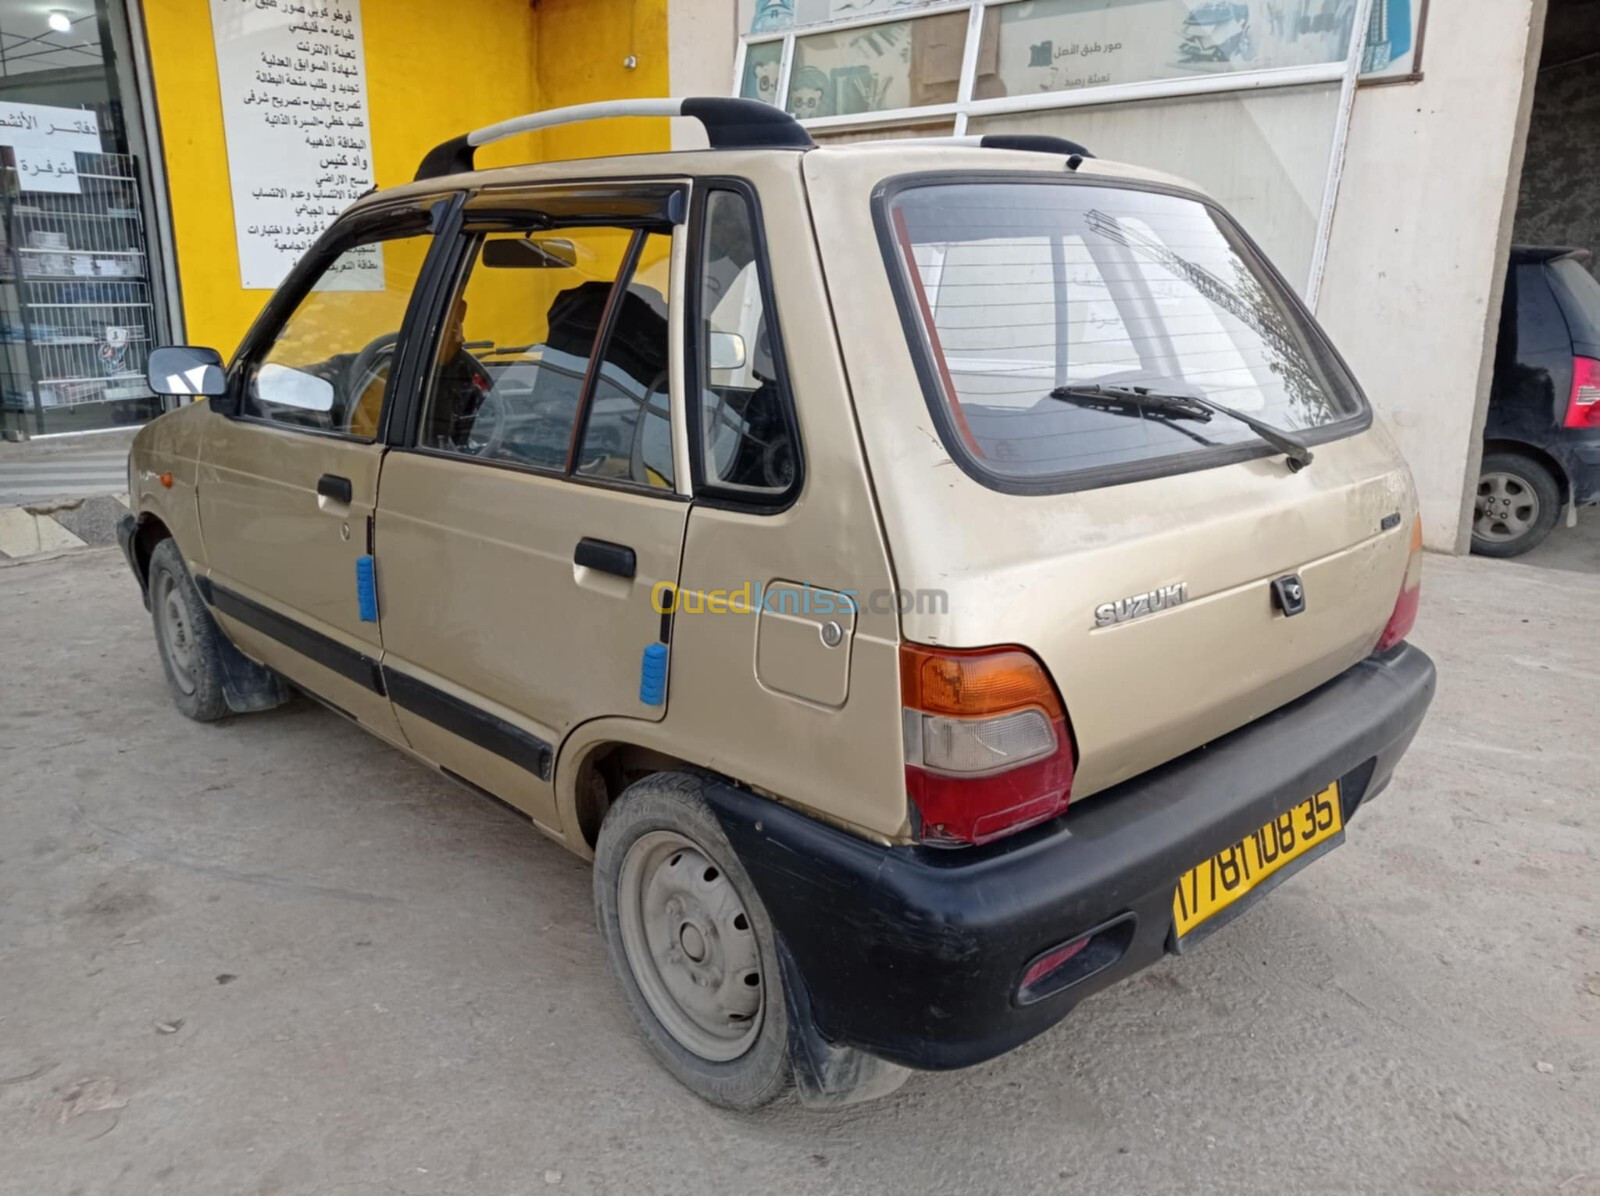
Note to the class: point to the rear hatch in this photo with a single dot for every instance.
(1129, 535)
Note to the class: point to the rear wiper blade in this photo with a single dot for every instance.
(1135, 400)
(1184, 406)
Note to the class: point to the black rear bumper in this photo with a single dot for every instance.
(915, 955)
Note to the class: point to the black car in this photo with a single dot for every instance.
(1541, 442)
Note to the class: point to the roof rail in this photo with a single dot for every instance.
(1027, 142)
(729, 124)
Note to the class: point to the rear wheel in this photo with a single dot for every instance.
(691, 944)
(186, 638)
(1518, 503)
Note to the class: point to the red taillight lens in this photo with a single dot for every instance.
(1583, 405)
(1405, 607)
(988, 748)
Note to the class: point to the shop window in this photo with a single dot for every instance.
(79, 304)
(763, 62)
(878, 68)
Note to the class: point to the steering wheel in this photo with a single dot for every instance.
(483, 441)
(364, 366)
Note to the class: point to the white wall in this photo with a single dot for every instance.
(1416, 264)
(702, 38)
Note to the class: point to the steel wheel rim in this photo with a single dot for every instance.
(1507, 507)
(690, 946)
(177, 639)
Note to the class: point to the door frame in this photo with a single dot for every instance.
(443, 214)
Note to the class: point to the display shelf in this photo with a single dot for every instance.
(75, 295)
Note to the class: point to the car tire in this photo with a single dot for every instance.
(691, 944)
(187, 639)
(1518, 502)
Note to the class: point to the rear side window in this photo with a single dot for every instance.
(747, 444)
(1580, 298)
(1015, 290)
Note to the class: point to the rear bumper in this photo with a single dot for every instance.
(1584, 466)
(915, 955)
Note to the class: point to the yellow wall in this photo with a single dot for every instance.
(580, 46)
(433, 71)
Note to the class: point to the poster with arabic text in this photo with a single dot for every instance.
(294, 108)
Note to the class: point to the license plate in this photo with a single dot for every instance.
(1283, 846)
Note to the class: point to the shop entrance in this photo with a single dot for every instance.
(78, 308)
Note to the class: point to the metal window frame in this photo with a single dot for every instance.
(1345, 73)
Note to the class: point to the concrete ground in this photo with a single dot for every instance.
(276, 956)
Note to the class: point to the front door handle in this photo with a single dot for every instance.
(331, 485)
(605, 557)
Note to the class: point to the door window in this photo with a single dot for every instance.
(328, 368)
(518, 356)
(747, 439)
(628, 433)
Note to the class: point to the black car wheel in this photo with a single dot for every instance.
(1518, 503)
(188, 641)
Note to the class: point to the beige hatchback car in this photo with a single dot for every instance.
(933, 581)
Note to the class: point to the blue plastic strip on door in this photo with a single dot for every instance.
(366, 590)
(653, 675)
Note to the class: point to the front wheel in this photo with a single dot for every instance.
(187, 639)
(1518, 503)
(691, 944)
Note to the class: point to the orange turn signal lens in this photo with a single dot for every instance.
(166, 480)
(974, 681)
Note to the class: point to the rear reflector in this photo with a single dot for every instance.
(1071, 963)
(988, 748)
(1583, 405)
(1050, 961)
(1405, 607)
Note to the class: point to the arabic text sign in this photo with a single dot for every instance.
(294, 106)
(46, 142)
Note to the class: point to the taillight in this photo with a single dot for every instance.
(1405, 607)
(1583, 405)
(988, 748)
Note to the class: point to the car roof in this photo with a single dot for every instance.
(1528, 255)
(882, 159)
(749, 137)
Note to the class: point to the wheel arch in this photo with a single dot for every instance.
(149, 531)
(598, 761)
(1535, 453)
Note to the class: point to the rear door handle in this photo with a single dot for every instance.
(605, 556)
(331, 485)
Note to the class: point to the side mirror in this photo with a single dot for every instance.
(293, 388)
(726, 350)
(186, 370)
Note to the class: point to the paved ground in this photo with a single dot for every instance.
(275, 956)
(74, 467)
(1574, 549)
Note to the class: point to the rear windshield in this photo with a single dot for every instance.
(1580, 298)
(1015, 289)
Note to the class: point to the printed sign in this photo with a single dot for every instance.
(46, 142)
(294, 107)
